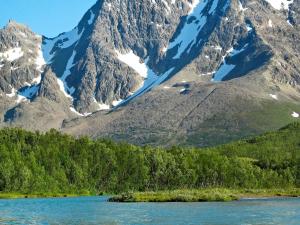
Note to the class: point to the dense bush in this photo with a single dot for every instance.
(58, 163)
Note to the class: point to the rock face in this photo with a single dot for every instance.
(110, 28)
(194, 72)
(21, 59)
(49, 88)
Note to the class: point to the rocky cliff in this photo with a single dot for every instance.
(195, 72)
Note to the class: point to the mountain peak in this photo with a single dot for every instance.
(14, 24)
(196, 60)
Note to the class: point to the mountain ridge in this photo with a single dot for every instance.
(161, 72)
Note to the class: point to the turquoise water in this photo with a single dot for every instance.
(95, 210)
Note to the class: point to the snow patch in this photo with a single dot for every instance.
(22, 34)
(225, 68)
(241, 7)
(101, 106)
(208, 73)
(270, 23)
(28, 92)
(37, 80)
(218, 48)
(65, 40)
(92, 18)
(152, 81)
(68, 91)
(62, 88)
(193, 25)
(20, 99)
(12, 68)
(193, 5)
(12, 54)
(213, 7)
(134, 62)
(280, 4)
(12, 94)
(40, 61)
(289, 23)
(249, 27)
(183, 90)
(117, 102)
(295, 115)
(78, 113)
(273, 96)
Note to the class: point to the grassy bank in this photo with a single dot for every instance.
(204, 195)
(43, 195)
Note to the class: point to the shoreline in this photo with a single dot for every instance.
(4, 196)
(205, 195)
(186, 195)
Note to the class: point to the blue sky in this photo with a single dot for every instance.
(46, 17)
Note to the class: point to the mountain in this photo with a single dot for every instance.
(161, 72)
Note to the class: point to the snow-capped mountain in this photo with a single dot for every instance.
(21, 61)
(157, 71)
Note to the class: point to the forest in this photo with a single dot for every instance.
(52, 162)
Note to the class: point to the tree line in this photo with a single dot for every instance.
(52, 162)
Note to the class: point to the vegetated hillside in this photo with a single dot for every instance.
(56, 163)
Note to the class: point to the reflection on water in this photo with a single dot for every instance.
(95, 210)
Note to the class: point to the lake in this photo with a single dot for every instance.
(96, 210)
